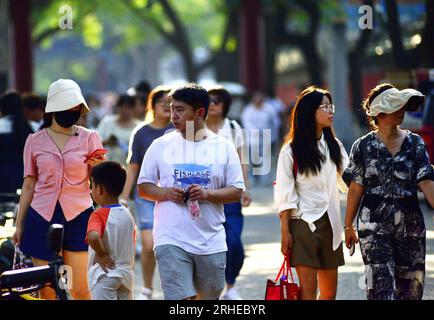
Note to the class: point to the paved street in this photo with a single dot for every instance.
(261, 238)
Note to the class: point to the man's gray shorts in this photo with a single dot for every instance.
(184, 275)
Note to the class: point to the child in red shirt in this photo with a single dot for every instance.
(111, 237)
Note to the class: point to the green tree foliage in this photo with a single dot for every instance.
(184, 25)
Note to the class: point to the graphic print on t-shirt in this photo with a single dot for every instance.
(186, 174)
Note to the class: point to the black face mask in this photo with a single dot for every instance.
(67, 118)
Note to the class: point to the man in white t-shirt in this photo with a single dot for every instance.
(189, 166)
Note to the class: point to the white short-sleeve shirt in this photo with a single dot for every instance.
(173, 161)
(311, 196)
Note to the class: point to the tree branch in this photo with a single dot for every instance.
(400, 56)
(150, 21)
(364, 36)
(182, 36)
(313, 11)
(181, 40)
(45, 34)
(283, 36)
(305, 42)
(427, 46)
(225, 37)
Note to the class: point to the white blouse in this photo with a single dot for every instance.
(311, 196)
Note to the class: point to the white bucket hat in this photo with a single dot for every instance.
(65, 94)
(391, 100)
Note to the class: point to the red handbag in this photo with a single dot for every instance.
(283, 290)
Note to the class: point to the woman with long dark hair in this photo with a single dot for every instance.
(387, 166)
(306, 195)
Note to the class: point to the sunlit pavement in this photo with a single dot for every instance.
(261, 237)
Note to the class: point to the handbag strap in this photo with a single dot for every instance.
(286, 266)
(281, 270)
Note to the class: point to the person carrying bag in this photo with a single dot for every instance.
(306, 195)
(284, 290)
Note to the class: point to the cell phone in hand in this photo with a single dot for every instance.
(186, 196)
(98, 153)
(352, 248)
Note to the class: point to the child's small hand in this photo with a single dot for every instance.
(105, 262)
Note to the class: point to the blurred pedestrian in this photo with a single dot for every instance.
(141, 92)
(307, 195)
(141, 138)
(98, 111)
(190, 173)
(111, 236)
(14, 129)
(33, 110)
(256, 118)
(279, 108)
(220, 103)
(56, 184)
(387, 166)
(115, 129)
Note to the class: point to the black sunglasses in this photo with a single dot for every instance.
(215, 100)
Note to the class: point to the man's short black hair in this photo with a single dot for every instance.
(192, 94)
(33, 101)
(11, 103)
(110, 175)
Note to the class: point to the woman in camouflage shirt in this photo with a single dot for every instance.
(387, 166)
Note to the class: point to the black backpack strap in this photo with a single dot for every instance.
(232, 124)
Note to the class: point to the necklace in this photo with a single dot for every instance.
(67, 134)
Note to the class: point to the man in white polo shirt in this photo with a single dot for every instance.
(190, 167)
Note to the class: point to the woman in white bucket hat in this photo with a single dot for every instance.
(387, 167)
(56, 184)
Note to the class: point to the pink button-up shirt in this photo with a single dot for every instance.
(60, 176)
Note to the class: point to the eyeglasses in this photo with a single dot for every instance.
(328, 108)
(163, 101)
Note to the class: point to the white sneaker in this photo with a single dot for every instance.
(146, 294)
(231, 294)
